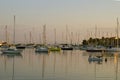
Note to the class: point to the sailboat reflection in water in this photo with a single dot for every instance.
(9, 56)
(98, 59)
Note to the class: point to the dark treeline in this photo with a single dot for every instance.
(108, 41)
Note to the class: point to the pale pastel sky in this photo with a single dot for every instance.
(80, 16)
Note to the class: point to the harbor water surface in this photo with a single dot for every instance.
(63, 65)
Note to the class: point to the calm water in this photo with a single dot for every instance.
(67, 65)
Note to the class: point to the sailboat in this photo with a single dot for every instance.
(43, 48)
(20, 46)
(66, 46)
(95, 48)
(55, 47)
(30, 44)
(5, 44)
(115, 49)
(12, 49)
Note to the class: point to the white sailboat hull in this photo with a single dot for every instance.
(42, 49)
(11, 51)
(113, 50)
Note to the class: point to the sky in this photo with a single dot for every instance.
(80, 16)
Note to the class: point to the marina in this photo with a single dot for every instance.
(59, 40)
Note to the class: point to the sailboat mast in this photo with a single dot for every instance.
(95, 35)
(55, 34)
(14, 32)
(6, 34)
(30, 38)
(71, 38)
(66, 34)
(33, 41)
(117, 33)
(25, 41)
(95, 31)
(44, 34)
(39, 38)
(78, 38)
(62, 38)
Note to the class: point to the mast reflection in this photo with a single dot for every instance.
(11, 56)
(116, 65)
